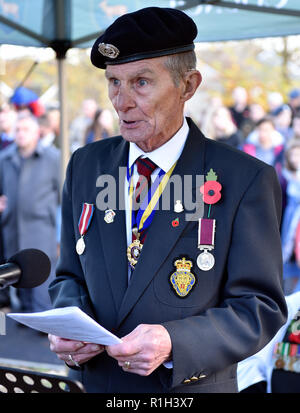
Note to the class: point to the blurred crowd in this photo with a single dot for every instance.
(272, 135)
(30, 170)
(30, 186)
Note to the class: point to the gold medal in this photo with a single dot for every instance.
(133, 252)
(182, 280)
(80, 246)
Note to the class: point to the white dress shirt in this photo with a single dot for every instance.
(164, 157)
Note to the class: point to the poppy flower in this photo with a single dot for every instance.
(211, 192)
(294, 338)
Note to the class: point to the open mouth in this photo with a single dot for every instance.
(130, 123)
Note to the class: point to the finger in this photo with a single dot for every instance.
(125, 349)
(77, 358)
(63, 345)
(89, 348)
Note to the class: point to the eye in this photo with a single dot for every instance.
(142, 82)
(114, 81)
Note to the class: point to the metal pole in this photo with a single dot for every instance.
(64, 138)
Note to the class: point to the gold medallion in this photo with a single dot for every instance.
(183, 280)
(133, 252)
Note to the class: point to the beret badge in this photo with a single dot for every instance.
(108, 50)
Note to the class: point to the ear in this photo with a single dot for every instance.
(192, 81)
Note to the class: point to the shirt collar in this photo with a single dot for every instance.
(167, 154)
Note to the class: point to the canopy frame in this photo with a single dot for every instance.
(231, 5)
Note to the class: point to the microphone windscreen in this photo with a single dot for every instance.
(35, 267)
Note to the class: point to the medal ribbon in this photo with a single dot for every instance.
(287, 349)
(85, 218)
(206, 232)
(147, 209)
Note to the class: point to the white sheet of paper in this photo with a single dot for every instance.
(67, 322)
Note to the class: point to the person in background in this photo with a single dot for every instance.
(296, 126)
(30, 196)
(47, 134)
(290, 182)
(222, 128)
(282, 117)
(294, 101)
(8, 118)
(96, 131)
(80, 124)
(263, 142)
(256, 113)
(240, 109)
(274, 101)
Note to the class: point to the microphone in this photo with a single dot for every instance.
(26, 269)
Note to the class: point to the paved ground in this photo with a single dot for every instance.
(24, 347)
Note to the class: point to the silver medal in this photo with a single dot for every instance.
(205, 261)
(80, 246)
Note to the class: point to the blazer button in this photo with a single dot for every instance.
(186, 381)
(194, 378)
(202, 376)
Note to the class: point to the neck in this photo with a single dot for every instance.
(26, 152)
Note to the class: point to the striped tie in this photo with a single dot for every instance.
(145, 167)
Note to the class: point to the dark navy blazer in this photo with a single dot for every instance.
(233, 310)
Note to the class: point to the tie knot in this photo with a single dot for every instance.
(145, 167)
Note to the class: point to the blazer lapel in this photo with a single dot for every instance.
(162, 236)
(113, 235)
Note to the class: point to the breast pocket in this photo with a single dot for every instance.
(197, 286)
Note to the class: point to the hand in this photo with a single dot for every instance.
(3, 203)
(80, 351)
(145, 348)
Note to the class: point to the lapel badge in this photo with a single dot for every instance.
(183, 280)
(178, 207)
(109, 216)
(175, 223)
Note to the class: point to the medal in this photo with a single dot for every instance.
(205, 261)
(83, 225)
(80, 246)
(183, 280)
(206, 241)
(134, 250)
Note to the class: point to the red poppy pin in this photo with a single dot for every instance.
(211, 189)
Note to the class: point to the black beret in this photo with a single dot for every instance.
(143, 34)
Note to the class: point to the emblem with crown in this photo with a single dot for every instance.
(182, 279)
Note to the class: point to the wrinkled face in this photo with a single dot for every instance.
(149, 105)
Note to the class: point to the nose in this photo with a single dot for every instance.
(124, 99)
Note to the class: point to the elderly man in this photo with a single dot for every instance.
(30, 197)
(189, 297)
